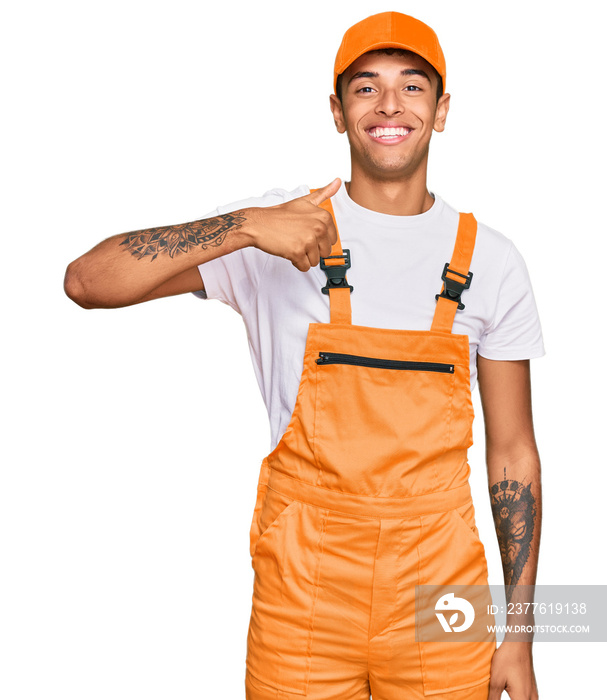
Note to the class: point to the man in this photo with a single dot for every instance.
(365, 494)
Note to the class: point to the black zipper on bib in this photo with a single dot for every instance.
(338, 358)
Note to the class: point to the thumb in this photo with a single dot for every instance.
(324, 192)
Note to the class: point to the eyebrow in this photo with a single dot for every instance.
(373, 74)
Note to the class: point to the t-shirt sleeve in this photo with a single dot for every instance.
(515, 332)
(234, 278)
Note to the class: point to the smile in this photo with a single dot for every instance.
(390, 134)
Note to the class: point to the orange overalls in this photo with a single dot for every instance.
(365, 496)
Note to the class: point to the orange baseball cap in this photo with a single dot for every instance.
(390, 30)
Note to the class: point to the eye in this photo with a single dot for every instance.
(415, 87)
(365, 88)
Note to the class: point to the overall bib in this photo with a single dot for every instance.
(366, 496)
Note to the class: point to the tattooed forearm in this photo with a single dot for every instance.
(514, 514)
(182, 238)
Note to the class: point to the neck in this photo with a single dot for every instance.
(405, 197)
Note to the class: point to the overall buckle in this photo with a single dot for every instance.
(336, 274)
(454, 288)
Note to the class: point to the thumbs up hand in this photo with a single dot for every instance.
(299, 230)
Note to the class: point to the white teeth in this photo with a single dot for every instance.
(389, 131)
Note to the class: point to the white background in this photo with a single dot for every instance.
(132, 438)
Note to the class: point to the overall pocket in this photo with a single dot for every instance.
(287, 559)
(262, 487)
(467, 515)
(453, 569)
(272, 508)
(378, 416)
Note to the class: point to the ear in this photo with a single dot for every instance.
(338, 113)
(442, 109)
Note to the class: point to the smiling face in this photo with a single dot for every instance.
(389, 110)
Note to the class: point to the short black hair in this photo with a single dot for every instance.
(398, 52)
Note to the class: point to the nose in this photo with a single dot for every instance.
(389, 103)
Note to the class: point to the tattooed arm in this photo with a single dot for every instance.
(142, 265)
(513, 467)
(127, 268)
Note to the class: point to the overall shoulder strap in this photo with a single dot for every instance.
(456, 276)
(335, 267)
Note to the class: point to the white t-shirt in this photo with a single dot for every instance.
(397, 262)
